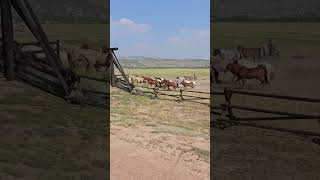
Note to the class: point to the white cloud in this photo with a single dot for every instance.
(126, 26)
(189, 38)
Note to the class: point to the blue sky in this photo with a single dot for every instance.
(161, 28)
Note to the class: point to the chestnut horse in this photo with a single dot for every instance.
(234, 68)
(169, 83)
(250, 52)
(241, 73)
(151, 81)
(259, 73)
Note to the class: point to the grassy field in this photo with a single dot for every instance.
(288, 37)
(92, 34)
(259, 153)
(201, 73)
(165, 119)
(49, 136)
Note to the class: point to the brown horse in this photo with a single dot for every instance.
(259, 73)
(169, 83)
(250, 52)
(151, 81)
(234, 68)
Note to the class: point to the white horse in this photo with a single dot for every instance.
(228, 54)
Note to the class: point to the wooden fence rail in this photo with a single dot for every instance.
(181, 94)
(55, 49)
(231, 118)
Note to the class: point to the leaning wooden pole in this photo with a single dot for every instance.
(35, 28)
(117, 63)
(7, 39)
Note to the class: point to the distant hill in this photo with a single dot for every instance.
(266, 10)
(149, 62)
(86, 11)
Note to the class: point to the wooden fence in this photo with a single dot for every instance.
(229, 118)
(181, 95)
(96, 95)
(56, 47)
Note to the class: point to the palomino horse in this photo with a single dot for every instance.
(250, 52)
(169, 83)
(187, 83)
(136, 79)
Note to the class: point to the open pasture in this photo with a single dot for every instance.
(250, 153)
(162, 125)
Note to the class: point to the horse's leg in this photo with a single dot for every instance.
(234, 77)
(243, 81)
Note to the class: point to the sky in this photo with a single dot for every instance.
(161, 28)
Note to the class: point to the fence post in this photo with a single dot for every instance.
(181, 96)
(228, 95)
(155, 93)
(58, 47)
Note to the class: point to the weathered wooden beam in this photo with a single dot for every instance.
(92, 78)
(36, 43)
(7, 35)
(271, 118)
(25, 12)
(300, 132)
(274, 96)
(271, 111)
(117, 63)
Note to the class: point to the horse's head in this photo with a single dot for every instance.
(216, 52)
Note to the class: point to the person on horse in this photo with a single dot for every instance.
(270, 47)
(217, 67)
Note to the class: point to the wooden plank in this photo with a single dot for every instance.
(270, 118)
(36, 43)
(275, 96)
(300, 132)
(38, 51)
(271, 111)
(7, 35)
(93, 78)
(200, 92)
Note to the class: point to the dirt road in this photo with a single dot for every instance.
(138, 154)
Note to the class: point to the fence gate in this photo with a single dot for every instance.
(44, 72)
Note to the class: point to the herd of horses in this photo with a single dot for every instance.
(243, 69)
(156, 82)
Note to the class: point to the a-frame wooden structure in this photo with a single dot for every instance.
(114, 62)
(54, 67)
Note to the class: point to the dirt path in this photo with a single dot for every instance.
(139, 154)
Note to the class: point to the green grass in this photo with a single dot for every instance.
(92, 34)
(288, 37)
(48, 133)
(201, 73)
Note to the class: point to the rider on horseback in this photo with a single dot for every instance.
(217, 67)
